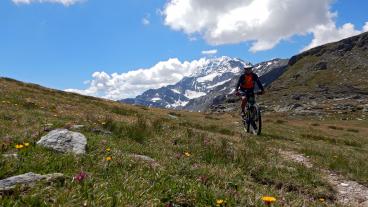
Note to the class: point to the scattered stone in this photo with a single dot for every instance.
(147, 159)
(10, 155)
(172, 116)
(27, 179)
(47, 127)
(290, 107)
(101, 131)
(365, 108)
(344, 184)
(356, 97)
(297, 96)
(230, 150)
(63, 140)
(364, 204)
(320, 66)
(76, 127)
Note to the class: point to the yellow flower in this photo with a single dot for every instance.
(322, 199)
(220, 202)
(187, 154)
(269, 199)
(19, 146)
(26, 144)
(109, 158)
(108, 149)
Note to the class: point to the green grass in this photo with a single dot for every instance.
(341, 152)
(222, 162)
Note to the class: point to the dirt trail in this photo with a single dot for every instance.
(349, 193)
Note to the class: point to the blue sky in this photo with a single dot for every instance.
(61, 46)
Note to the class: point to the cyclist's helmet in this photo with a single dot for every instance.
(248, 69)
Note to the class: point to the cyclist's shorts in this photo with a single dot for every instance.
(248, 94)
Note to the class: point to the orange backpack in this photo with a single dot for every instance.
(248, 82)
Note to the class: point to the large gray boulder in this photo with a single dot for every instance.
(27, 179)
(63, 140)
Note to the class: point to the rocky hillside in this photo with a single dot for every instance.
(330, 79)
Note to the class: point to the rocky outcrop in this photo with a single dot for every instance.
(27, 179)
(63, 140)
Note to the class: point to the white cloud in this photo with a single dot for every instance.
(209, 52)
(365, 28)
(263, 22)
(64, 2)
(145, 21)
(330, 33)
(125, 85)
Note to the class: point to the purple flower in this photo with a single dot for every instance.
(80, 176)
(178, 155)
(206, 141)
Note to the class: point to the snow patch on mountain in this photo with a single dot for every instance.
(175, 91)
(208, 78)
(219, 83)
(176, 104)
(156, 99)
(194, 94)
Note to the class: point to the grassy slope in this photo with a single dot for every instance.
(224, 164)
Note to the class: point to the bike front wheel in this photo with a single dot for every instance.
(254, 124)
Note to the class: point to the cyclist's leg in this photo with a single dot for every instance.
(243, 101)
(251, 99)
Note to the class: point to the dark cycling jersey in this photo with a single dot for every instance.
(247, 82)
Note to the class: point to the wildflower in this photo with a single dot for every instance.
(203, 179)
(26, 144)
(19, 146)
(220, 202)
(187, 154)
(109, 158)
(322, 200)
(108, 149)
(80, 176)
(269, 199)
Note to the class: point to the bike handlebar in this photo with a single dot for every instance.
(256, 93)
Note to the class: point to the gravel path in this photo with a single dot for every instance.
(350, 193)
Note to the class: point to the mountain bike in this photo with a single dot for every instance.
(252, 119)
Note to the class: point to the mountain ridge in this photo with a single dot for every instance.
(204, 82)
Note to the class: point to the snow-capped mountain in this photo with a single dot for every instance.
(215, 75)
(212, 73)
(268, 72)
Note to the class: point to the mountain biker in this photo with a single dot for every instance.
(245, 86)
